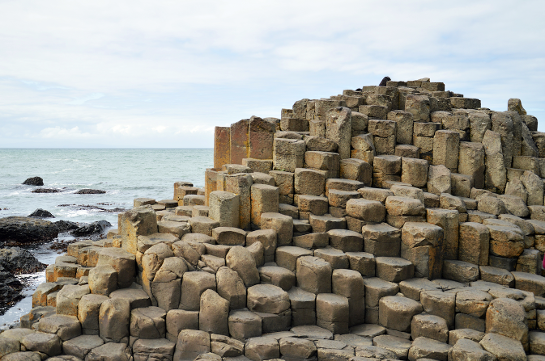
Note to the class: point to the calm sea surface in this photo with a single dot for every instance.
(124, 174)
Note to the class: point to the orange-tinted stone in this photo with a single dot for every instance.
(240, 144)
(210, 178)
(222, 146)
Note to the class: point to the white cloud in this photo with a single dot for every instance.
(166, 69)
(63, 133)
(80, 101)
(159, 129)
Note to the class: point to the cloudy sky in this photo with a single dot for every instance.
(164, 73)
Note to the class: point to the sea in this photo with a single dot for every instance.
(124, 174)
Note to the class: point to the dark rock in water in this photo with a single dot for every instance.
(10, 290)
(41, 213)
(95, 208)
(90, 191)
(93, 228)
(17, 260)
(34, 181)
(46, 190)
(26, 230)
(63, 226)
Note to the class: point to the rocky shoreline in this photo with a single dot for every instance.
(16, 231)
(15, 261)
(18, 237)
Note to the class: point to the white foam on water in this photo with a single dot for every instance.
(78, 213)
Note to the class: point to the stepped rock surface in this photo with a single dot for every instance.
(401, 221)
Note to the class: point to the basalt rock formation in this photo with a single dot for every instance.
(402, 221)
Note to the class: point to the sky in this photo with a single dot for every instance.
(154, 74)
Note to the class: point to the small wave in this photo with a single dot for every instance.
(62, 171)
(75, 213)
(59, 184)
(20, 186)
(30, 278)
(73, 191)
(81, 212)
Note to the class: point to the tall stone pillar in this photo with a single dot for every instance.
(261, 137)
(222, 146)
(240, 144)
(241, 184)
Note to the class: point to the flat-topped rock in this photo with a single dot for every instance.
(399, 346)
(229, 236)
(312, 332)
(381, 240)
(423, 347)
(326, 222)
(504, 348)
(368, 330)
(397, 312)
(81, 345)
(267, 298)
(278, 276)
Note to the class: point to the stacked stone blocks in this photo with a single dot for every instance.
(396, 222)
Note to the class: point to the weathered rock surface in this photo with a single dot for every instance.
(93, 228)
(401, 221)
(26, 230)
(17, 260)
(10, 289)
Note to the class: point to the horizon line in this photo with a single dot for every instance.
(2, 148)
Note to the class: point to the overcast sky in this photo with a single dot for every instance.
(164, 73)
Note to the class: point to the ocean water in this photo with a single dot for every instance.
(124, 174)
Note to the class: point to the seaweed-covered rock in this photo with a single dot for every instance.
(26, 230)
